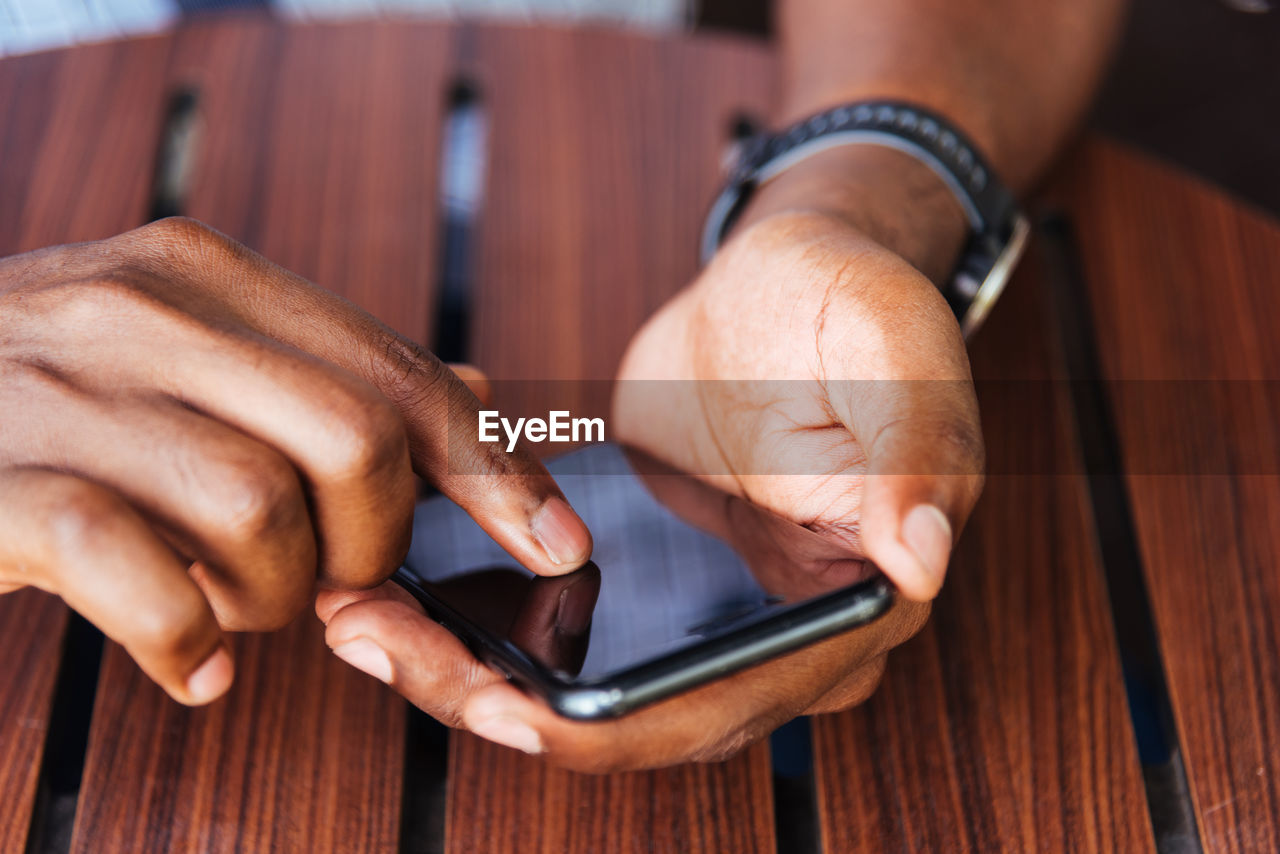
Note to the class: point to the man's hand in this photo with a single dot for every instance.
(812, 368)
(431, 667)
(809, 372)
(192, 437)
(820, 376)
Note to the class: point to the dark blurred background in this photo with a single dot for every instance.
(1196, 82)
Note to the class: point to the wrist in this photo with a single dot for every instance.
(889, 196)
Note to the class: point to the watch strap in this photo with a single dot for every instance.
(998, 230)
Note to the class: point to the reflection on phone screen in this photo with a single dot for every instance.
(665, 574)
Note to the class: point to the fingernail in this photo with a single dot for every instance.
(211, 679)
(927, 532)
(509, 732)
(366, 656)
(562, 534)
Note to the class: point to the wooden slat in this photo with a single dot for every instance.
(504, 801)
(81, 140)
(76, 131)
(603, 158)
(1003, 726)
(1183, 282)
(26, 86)
(319, 150)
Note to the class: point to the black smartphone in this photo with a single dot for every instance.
(687, 584)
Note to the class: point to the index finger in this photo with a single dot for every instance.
(510, 495)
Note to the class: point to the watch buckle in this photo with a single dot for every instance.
(997, 277)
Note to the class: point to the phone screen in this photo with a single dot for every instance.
(676, 563)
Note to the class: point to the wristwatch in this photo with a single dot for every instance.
(998, 229)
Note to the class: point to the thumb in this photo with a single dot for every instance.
(925, 461)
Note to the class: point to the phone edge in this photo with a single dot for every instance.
(661, 678)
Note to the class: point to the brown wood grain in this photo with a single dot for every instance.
(319, 149)
(504, 801)
(603, 158)
(1003, 726)
(1185, 287)
(605, 155)
(75, 164)
(79, 140)
(31, 629)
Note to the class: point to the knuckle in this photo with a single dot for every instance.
(487, 459)
(854, 690)
(181, 235)
(260, 510)
(82, 520)
(117, 290)
(915, 617)
(904, 621)
(103, 300)
(604, 765)
(606, 760)
(365, 436)
(737, 736)
(865, 691)
(955, 445)
(89, 286)
(182, 243)
(965, 443)
(121, 304)
(725, 749)
(605, 753)
(175, 625)
(259, 498)
(409, 373)
(269, 611)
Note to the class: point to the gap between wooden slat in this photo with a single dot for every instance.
(67, 738)
(1168, 795)
(796, 826)
(463, 163)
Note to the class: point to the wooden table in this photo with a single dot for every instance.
(1005, 726)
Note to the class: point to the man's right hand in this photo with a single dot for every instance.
(191, 437)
